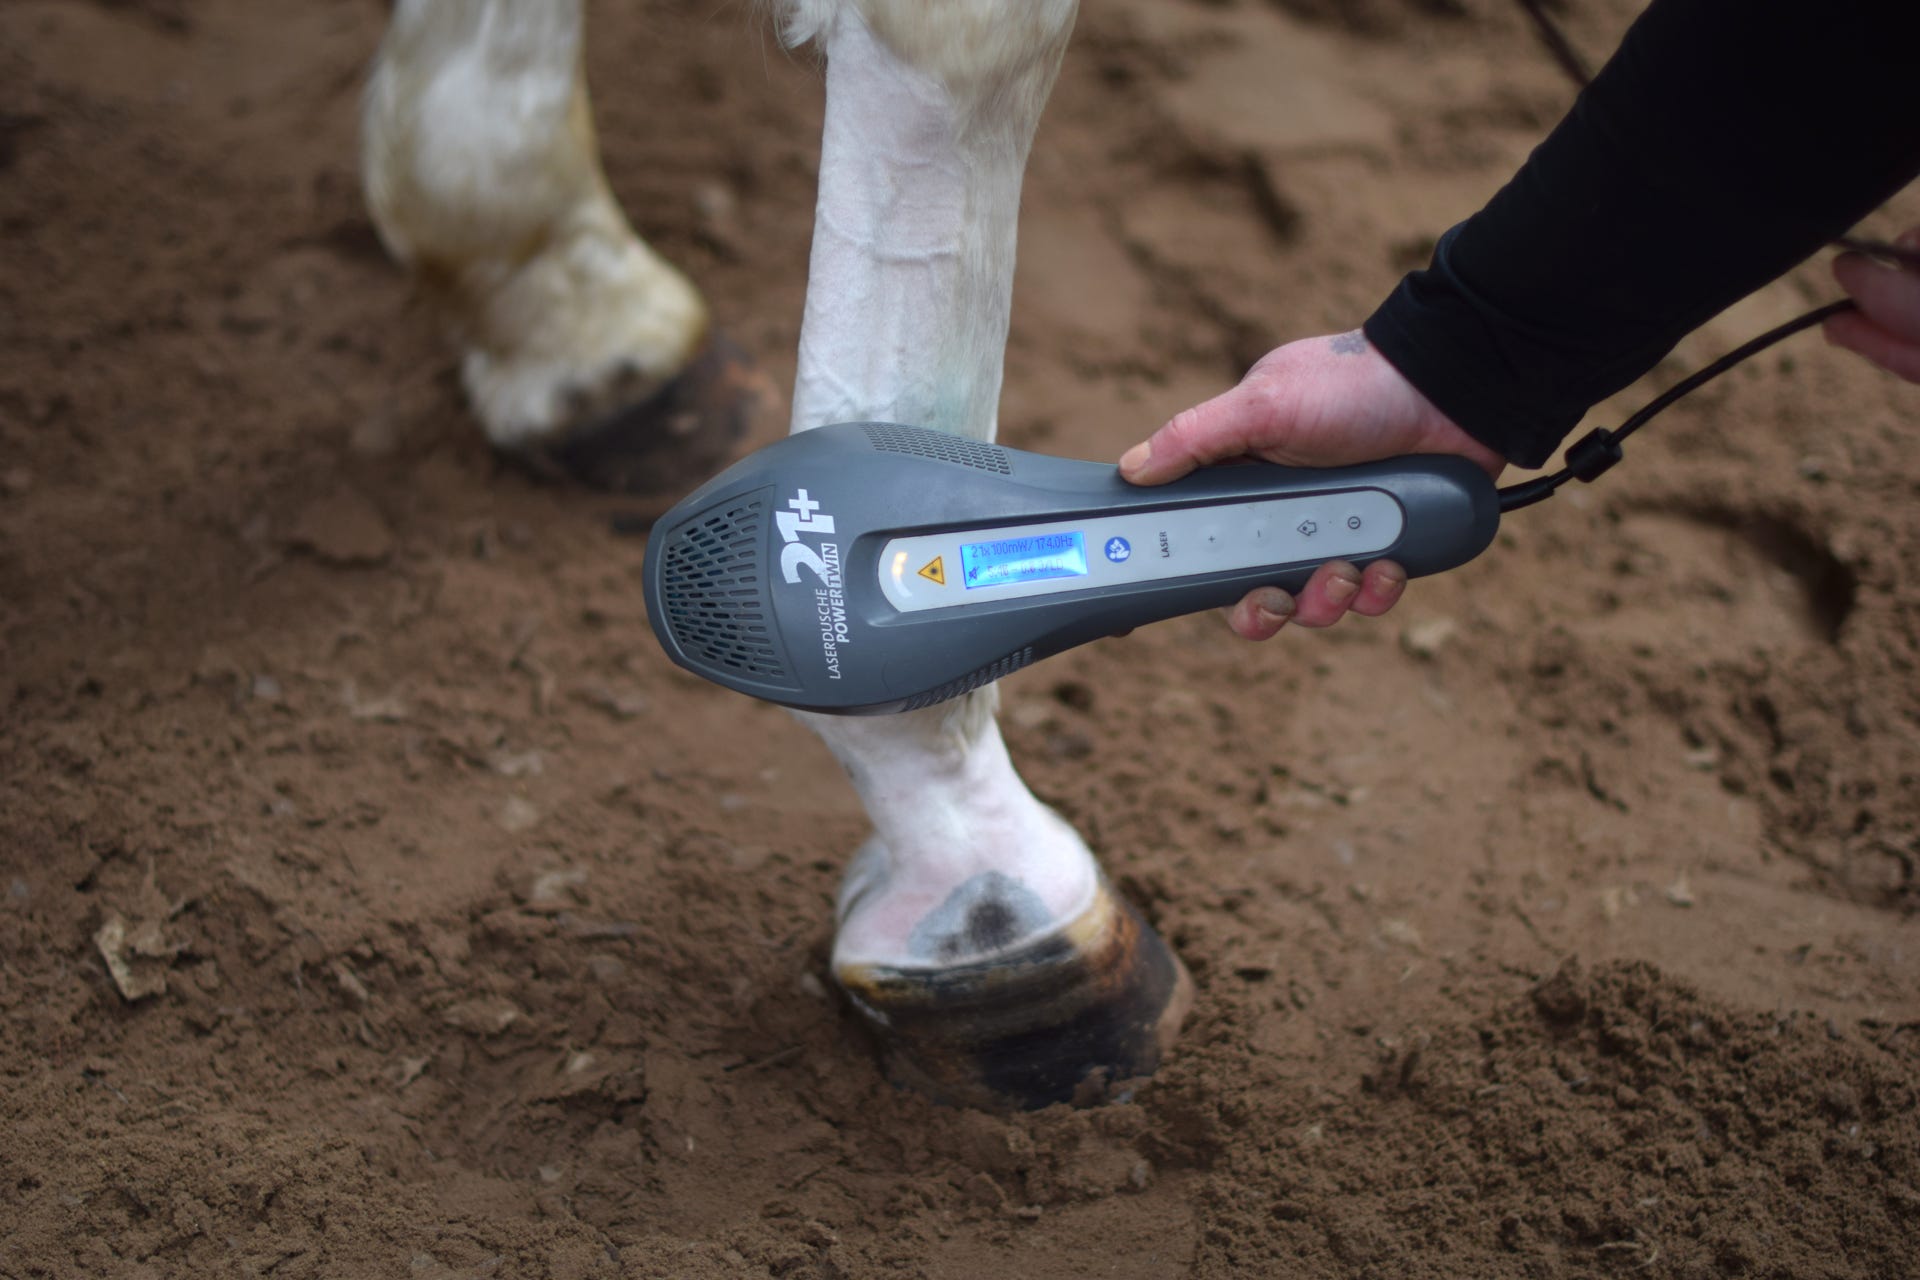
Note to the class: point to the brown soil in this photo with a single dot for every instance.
(479, 942)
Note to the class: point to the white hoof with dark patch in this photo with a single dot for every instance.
(994, 1008)
(670, 438)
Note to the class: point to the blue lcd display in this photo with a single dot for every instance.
(1010, 560)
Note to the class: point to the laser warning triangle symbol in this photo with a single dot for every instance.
(935, 571)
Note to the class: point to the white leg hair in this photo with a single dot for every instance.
(931, 110)
(482, 173)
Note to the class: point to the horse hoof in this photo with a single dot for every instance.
(1065, 1017)
(671, 441)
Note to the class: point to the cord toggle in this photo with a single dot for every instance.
(1594, 454)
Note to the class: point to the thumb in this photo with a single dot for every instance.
(1228, 426)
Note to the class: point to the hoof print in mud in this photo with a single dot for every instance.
(1068, 1017)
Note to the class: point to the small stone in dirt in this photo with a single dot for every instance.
(1563, 997)
(388, 708)
(342, 529)
(136, 956)
(517, 814)
(812, 985)
(1401, 933)
(19, 890)
(518, 764)
(715, 202)
(1614, 899)
(1680, 892)
(406, 1071)
(557, 890)
(1029, 715)
(621, 704)
(1425, 638)
(266, 689)
(487, 1016)
(350, 983)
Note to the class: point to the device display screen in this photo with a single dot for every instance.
(1047, 555)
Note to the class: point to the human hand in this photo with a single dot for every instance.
(1318, 402)
(1886, 328)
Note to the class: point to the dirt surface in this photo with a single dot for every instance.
(469, 939)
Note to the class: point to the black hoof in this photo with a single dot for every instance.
(1065, 1018)
(670, 442)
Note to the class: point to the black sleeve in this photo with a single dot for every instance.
(1725, 141)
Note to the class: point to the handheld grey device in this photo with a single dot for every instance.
(868, 568)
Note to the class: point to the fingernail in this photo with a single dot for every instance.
(1134, 460)
(1388, 587)
(1274, 608)
(1341, 588)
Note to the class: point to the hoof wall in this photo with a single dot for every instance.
(670, 442)
(1063, 1018)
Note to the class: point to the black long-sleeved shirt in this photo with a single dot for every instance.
(1725, 141)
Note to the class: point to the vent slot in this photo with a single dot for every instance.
(715, 596)
(940, 446)
(972, 680)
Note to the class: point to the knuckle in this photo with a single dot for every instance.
(1187, 432)
(1180, 427)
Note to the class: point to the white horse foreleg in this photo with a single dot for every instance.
(976, 934)
(584, 352)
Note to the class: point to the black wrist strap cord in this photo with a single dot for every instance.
(1594, 454)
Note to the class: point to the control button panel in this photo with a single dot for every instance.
(1056, 557)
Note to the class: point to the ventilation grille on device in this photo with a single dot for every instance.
(923, 443)
(716, 600)
(972, 680)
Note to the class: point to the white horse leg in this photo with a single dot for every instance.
(585, 353)
(977, 934)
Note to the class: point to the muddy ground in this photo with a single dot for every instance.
(1562, 924)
